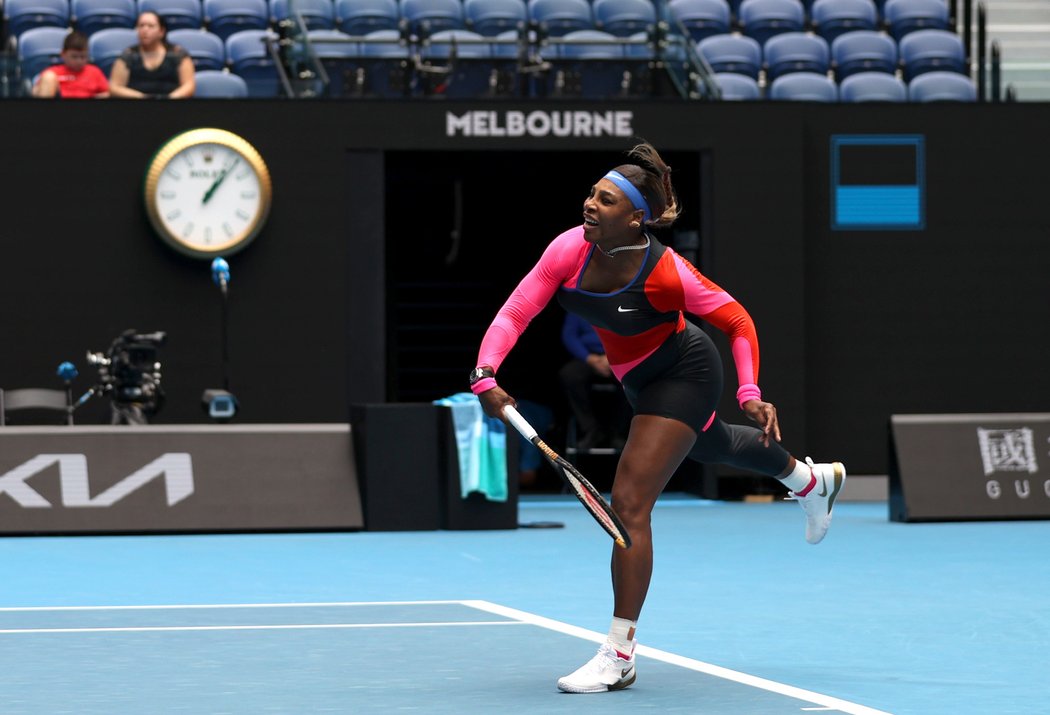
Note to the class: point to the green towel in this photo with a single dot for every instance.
(481, 444)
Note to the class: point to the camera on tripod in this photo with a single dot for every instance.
(129, 372)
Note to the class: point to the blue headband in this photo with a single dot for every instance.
(637, 200)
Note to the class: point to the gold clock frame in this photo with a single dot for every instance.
(207, 135)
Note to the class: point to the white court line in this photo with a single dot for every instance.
(190, 606)
(271, 627)
(683, 662)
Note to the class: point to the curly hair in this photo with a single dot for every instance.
(652, 176)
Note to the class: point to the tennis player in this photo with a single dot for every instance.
(614, 273)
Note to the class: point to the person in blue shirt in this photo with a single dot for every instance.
(588, 365)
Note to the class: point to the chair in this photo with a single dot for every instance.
(624, 18)
(863, 51)
(360, 17)
(90, 16)
(904, 16)
(737, 87)
(37, 401)
(795, 52)
(942, 87)
(458, 64)
(761, 19)
(492, 17)
(213, 84)
(732, 53)
(586, 63)
(701, 18)
(425, 17)
(832, 18)
(23, 15)
(931, 51)
(38, 49)
(316, 14)
(228, 17)
(178, 14)
(873, 87)
(804, 87)
(249, 56)
(556, 18)
(206, 49)
(385, 65)
(105, 46)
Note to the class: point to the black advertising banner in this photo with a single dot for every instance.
(970, 466)
(177, 478)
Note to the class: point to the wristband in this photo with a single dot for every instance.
(483, 385)
(747, 392)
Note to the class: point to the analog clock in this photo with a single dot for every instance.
(207, 192)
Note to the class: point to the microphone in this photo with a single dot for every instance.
(67, 371)
(220, 273)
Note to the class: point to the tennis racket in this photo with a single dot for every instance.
(584, 490)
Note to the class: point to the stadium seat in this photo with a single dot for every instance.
(872, 87)
(492, 17)
(931, 51)
(458, 64)
(832, 18)
(555, 18)
(804, 87)
(795, 52)
(249, 56)
(178, 14)
(904, 16)
(426, 17)
(761, 19)
(385, 65)
(90, 16)
(105, 46)
(737, 87)
(624, 18)
(340, 55)
(22, 15)
(702, 18)
(212, 84)
(316, 14)
(206, 49)
(732, 53)
(863, 51)
(595, 65)
(38, 49)
(942, 87)
(227, 17)
(360, 17)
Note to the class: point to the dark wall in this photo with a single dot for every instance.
(854, 325)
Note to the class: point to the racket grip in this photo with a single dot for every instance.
(514, 417)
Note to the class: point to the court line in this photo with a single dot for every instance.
(683, 662)
(270, 627)
(190, 606)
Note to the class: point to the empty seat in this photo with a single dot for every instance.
(213, 84)
(492, 17)
(863, 51)
(38, 49)
(559, 17)
(385, 65)
(90, 16)
(206, 49)
(249, 55)
(873, 87)
(595, 65)
(737, 87)
(458, 64)
(360, 17)
(732, 53)
(795, 52)
(931, 51)
(832, 18)
(22, 15)
(51, 406)
(429, 16)
(904, 16)
(942, 87)
(624, 18)
(804, 87)
(761, 19)
(177, 14)
(227, 17)
(701, 18)
(315, 14)
(105, 46)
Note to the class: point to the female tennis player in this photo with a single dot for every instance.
(616, 275)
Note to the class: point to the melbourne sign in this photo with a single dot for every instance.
(539, 123)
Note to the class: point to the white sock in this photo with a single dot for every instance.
(800, 478)
(621, 635)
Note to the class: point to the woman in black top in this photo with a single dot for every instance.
(153, 68)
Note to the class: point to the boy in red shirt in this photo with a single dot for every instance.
(75, 78)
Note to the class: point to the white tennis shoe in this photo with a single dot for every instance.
(607, 670)
(821, 498)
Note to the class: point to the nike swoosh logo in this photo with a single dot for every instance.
(823, 487)
(621, 309)
(625, 672)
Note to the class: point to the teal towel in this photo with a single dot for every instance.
(481, 443)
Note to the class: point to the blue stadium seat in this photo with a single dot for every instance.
(178, 14)
(804, 87)
(624, 18)
(863, 51)
(90, 16)
(832, 18)
(227, 17)
(492, 17)
(316, 14)
(795, 52)
(593, 64)
(38, 49)
(702, 18)
(332, 44)
(249, 56)
(206, 49)
(942, 87)
(761, 19)
(429, 16)
(872, 87)
(931, 51)
(738, 87)
(732, 53)
(466, 58)
(559, 17)
(212, 84)
(360, 17)
(904, 16)
(340, 54)
(105, 46)
(385, 65)
(22, 15)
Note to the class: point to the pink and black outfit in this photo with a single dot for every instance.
(668, 366)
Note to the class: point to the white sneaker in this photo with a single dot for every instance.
(607, 670)
(821, 498)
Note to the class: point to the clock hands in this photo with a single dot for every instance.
(219, 179)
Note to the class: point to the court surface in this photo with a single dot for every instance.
(742, 617)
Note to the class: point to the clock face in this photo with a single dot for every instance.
(207, 193)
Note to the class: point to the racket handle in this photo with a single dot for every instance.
(519, 422)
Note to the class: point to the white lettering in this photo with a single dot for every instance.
(623, 124)
(1023, 488)
(539, 124)
(603, 123)
(454, 124)
(993, 489)
(1046, 487)
(481, 124)
(581, 124)
(515, 124)
(562, 124)
(495, 130)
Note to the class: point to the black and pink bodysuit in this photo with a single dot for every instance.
(668, 366)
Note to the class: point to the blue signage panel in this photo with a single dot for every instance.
(878, 182)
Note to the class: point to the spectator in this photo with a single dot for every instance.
(154, 68)
(587, 366)
(75, 78)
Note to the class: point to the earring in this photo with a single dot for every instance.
(635, 224)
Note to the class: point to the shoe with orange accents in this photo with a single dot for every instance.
(608, 670)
